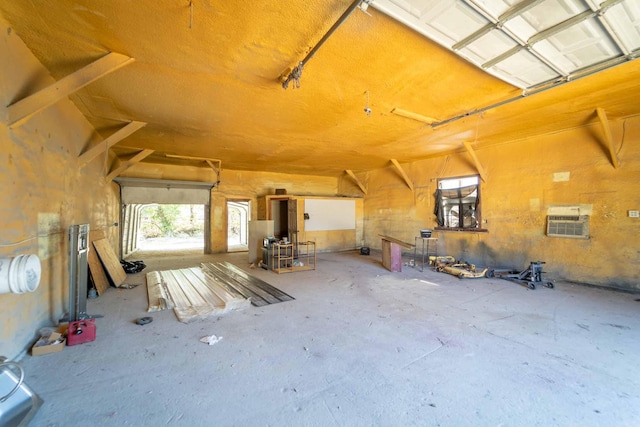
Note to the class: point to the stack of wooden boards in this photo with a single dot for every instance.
(211, 289)
(104, 265)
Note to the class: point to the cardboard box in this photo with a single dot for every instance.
(46, 345)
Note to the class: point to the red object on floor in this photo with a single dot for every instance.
(81, 332)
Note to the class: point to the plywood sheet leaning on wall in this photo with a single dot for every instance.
(98, 275)
(110, 261)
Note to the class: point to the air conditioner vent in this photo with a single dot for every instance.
(563, 218)
(576, 227)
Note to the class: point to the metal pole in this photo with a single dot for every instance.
(338, 23)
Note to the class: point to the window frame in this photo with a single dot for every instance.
(477, 210)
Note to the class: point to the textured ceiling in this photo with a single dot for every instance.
(206, 80)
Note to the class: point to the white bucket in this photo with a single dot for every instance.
(20, 274)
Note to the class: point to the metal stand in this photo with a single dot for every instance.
(78, 274)
(415, 249)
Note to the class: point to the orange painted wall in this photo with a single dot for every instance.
(519, 189)
(43, 192)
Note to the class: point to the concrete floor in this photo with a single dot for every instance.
(359, 346)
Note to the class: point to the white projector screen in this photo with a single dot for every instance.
(330, 214)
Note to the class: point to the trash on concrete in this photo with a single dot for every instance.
(144, 320)
(211, 339)
(132, 267)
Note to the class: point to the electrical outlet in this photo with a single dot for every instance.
(634, 214)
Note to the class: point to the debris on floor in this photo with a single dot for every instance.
(129, 285)
(132, 267)
(460, 269)
(144, 320)
(211, 339)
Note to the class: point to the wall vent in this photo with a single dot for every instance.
(576, 227)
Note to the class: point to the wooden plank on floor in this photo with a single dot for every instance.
(183, 309)
(110, 261)
(159, 299)
(192, 297)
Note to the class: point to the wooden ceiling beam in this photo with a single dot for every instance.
(215, 164)
(476, 162)
(204, 159)
(402, 173)
(20, 111)
(608, 139)
(128, 163)
(413, 116)
(109, 142)
(216, 168)
(358, 182)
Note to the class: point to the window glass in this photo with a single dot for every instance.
(457, 204)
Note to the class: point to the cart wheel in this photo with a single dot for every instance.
(549, 285)
(490, 273)
(531, 286)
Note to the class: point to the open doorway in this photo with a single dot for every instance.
(178, 227)
(238, 216)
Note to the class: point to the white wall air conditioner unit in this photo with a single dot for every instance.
(576, 227)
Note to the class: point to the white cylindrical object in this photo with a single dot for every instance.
(19, 274)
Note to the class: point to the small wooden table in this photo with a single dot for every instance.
(392, 252)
